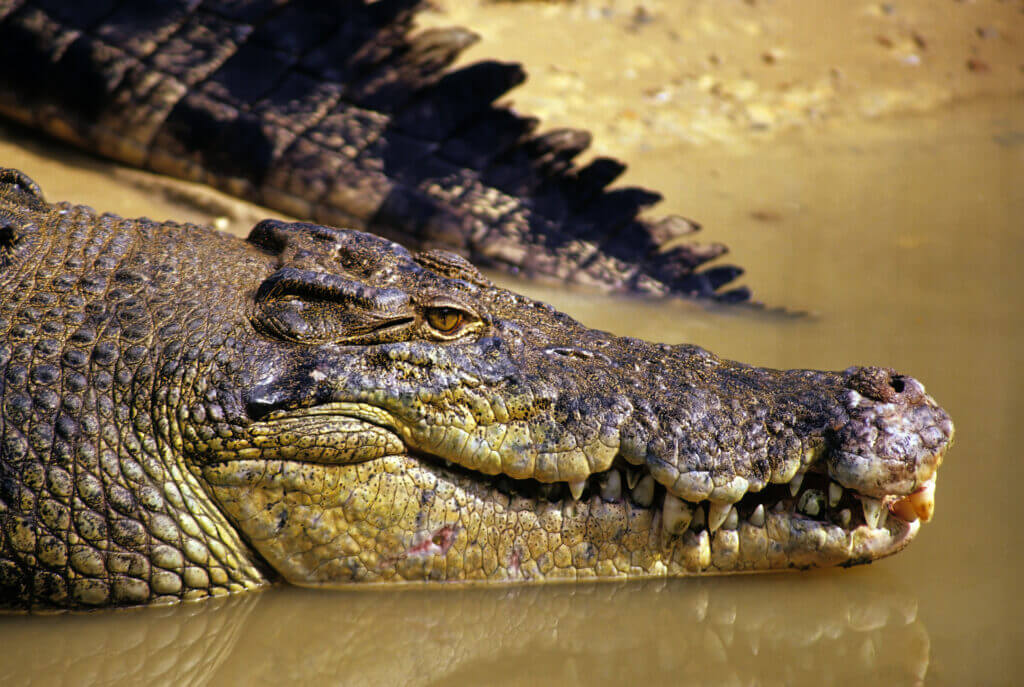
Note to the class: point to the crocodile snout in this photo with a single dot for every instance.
(895, 437)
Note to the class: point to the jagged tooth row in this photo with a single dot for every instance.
(678, 515)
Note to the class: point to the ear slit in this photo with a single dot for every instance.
(313, 308)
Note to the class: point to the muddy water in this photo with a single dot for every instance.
(899, 235)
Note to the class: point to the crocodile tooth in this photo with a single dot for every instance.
(872, 511)
(643, 494)
(704, 548)
(717, 513)
(794, 484)
(698, 519)
(811, 502)
(676, 514)
(757, 517)
(779, 507)
(611, 490)
(732, 519)
(923, 501)
(845, 516)
(835, 494)
(903, 509)
(632, 477)
(576, 488)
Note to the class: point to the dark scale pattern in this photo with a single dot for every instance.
(339, 112)
(93, 511)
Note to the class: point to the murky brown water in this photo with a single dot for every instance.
(902, 236)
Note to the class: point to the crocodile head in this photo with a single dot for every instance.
(403, 419)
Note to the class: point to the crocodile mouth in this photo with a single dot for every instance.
(811, 496)
(810, 508)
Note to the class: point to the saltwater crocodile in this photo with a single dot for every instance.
(188, 414)
(337, 111)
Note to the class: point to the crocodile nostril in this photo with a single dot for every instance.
(884, 385)
(877, 383)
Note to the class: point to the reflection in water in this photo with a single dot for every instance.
(806, 629)
(182, 644)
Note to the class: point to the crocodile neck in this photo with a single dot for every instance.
(102, 511)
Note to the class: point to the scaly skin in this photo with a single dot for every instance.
(186, 413)
(337, 111)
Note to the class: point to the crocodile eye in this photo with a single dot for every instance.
(446, 321)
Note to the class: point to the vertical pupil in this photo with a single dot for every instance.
(446, 319)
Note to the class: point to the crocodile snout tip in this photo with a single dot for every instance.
(894, 438)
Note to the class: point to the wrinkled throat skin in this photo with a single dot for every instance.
(322, 405)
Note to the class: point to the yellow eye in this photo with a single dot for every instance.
(446, 320)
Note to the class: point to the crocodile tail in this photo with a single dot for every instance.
(339, 112)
